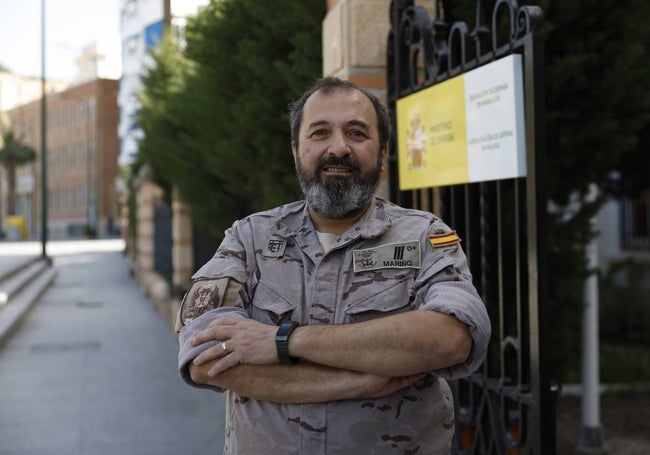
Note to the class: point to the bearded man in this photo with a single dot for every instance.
(333, 323)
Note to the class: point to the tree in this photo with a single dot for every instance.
(597, 85)
(13, 154)
(215, 115)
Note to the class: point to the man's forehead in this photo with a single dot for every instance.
(344, 104)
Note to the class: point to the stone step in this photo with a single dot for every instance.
(10, 265)
(19, 290)
(14, 280)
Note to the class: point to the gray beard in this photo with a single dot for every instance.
(338, 197)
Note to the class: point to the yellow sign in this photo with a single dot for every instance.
(467, 129)
(16, 227)
(431, 135)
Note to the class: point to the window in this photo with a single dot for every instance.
(635, 215)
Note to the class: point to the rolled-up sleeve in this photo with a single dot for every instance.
(229, 261)
(447, 288)
(187, 352)
(460, 300)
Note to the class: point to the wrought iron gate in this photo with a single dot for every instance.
(162, 249)
(508, 406)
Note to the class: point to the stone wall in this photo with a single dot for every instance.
(354, 48)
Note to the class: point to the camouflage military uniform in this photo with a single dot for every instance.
(388, 263)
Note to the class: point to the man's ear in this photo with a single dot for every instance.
(384, 156)
(294, 150)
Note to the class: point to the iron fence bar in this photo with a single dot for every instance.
(468, 225)
(518, 278)
(536, 229)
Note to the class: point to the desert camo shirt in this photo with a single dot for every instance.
(393, 260)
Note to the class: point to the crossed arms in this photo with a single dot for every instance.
(344, 361)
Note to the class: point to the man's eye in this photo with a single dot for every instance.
(357, 134)
(318, 133)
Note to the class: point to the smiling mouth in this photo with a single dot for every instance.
(336, 170)
(332, 167)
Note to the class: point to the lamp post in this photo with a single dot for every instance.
(590, 437)
(43, 140)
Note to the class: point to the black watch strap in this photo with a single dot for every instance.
(282, 342)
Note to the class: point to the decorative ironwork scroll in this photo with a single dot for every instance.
(508, 406)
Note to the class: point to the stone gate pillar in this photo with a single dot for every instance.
(354, 42)
(354, 48)
(147, 197)
(182, 256)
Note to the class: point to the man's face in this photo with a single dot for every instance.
(339, 159)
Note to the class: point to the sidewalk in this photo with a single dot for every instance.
(92, 370)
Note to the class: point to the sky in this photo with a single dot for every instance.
(70, 26)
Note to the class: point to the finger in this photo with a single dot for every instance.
(406, 381)
(202, 337)
(205, 356)
(216, 330)
(212, 333)
(224, 364)
(416, 377)
(224, 321)
(214, 353)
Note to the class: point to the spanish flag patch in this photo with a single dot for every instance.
(444, 239)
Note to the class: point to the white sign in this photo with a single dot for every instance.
(494, 107)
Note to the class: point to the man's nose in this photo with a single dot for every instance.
(339, 145)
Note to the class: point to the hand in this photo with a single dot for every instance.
(245, 340)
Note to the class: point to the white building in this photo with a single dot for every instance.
(100, 60)
(143, 22)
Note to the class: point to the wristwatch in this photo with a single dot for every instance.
(282, 342)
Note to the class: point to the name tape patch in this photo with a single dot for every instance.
(444, 239)
(391, 256)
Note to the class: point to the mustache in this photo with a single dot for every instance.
(346, 161)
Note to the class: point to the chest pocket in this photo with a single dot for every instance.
(378, 294)
(269, 306)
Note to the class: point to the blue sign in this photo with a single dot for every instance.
(153, 34)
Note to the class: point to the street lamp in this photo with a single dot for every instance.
(43, 140)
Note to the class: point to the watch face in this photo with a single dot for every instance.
(281, 342)
(285, 330)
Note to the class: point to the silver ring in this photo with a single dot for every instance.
(224, 347)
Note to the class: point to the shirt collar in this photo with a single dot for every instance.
(297, 222)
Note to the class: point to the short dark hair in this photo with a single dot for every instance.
(328, 85)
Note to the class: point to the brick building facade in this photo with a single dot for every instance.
(82, 148)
